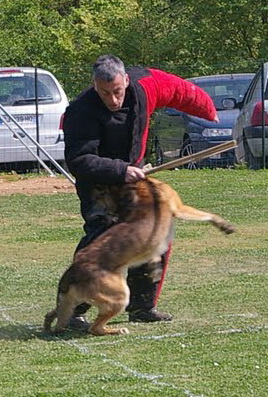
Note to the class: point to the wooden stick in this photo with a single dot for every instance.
(223, 147)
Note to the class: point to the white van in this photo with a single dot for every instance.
(26, 92)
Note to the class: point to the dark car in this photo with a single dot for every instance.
(251, 127)
(176, 134)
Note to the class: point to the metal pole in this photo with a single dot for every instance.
(62, 170)
(36, 112)
(263, 116)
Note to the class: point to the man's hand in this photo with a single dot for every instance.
(134, 174)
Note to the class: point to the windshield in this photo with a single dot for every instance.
(221, 89)
(20, 89)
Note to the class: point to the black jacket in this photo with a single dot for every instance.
(100, 144)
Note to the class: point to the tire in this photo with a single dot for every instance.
(187, 149)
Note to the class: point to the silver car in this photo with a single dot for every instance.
(251, 127)
(36, 100)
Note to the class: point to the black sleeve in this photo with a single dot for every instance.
(82, 133)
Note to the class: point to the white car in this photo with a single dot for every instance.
(251, 127)
(26, 92)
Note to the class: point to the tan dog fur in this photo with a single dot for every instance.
(143, 232)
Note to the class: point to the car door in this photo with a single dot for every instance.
(243, 120)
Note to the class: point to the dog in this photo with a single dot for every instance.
(141, 234)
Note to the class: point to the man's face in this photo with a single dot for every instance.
(112, 93)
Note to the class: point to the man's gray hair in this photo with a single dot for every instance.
(107, 68)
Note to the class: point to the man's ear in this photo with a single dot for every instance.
(127, 80)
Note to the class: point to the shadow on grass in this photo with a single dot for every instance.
(26, 332)
(20, 332)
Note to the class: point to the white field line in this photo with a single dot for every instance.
(150, 377)
(20, 308)
(6, 316)
(244, 330)
(140, 337)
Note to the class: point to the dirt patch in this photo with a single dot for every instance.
(13, 184)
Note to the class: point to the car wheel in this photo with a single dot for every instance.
(253, 163)
(187, 150)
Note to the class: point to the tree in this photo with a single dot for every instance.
(181, 36)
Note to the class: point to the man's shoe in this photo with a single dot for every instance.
(148, 316)
(78, 323)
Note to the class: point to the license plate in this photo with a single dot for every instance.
(20, 118)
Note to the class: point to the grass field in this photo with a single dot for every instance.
(216, 288)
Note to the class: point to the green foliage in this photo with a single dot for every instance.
(184, 37)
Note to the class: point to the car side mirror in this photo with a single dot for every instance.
(229, 103)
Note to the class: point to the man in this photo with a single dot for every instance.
(106, 130)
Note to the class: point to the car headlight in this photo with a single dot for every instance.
(208, 132)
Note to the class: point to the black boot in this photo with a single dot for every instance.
(78, 320)
(148, 316)
(142, 295)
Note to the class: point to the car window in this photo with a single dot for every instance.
(252, 87)
(221, 89)
(19, 89)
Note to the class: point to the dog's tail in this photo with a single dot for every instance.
(49, 318)
(188, 213)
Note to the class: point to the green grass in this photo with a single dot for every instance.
(216, 288)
